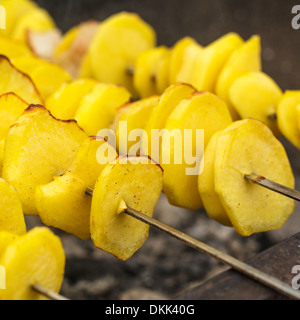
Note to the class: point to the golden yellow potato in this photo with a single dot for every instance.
(11, 107)
(252, 148)
(85, 68)
(287, 116)
(27, 64)
(2, 143)
(124, 182)
(135, 116)
(146, 70)
(157, 118)
(63, 203)
(246, 58)
(256, 95)
(13, 80)
(98, 108)
(15, 10)
(66, 41)
(202, 111)
(189, 55)
(116, 45)
(37, 148)
(47, 76)
(209, 61)
(35, 257)
(64, 102)
(36, 19)
(6, 238)
(71, 52)
(206, 179)
(12, 48)
(206, 184)
(178, 58)
(11, 212)
(162, 73)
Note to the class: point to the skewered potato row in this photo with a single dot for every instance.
(58, 186)
(53, 162)
(228, 67)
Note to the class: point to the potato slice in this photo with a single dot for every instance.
(63, 203)
(146, 71)
(64, 102)
(126, 181)
(2, 143)
(206, 184)
(72, 50)
(36, 19)
(158, 117)
(98, 108)
(209, 61)
(177, 57)
(27, 64)
(14, 11)
(11, 212)
(256, 95)
(252, 148)
(66, 41)
(135, 115)
(85, 69)
(38, 147)
(185, 70)
(35, 257)
(206, 179)
(47, 76)
(13, 80)
(11, 107)
(287, 116)
(116, 45)
(6, 238)
(12, 48)
(201, 110)
(162, 73)
(245, 58)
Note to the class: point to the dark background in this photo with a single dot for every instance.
(163, 267)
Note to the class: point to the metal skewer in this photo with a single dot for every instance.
(236, 264)
(47, 292)
(274, 186)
